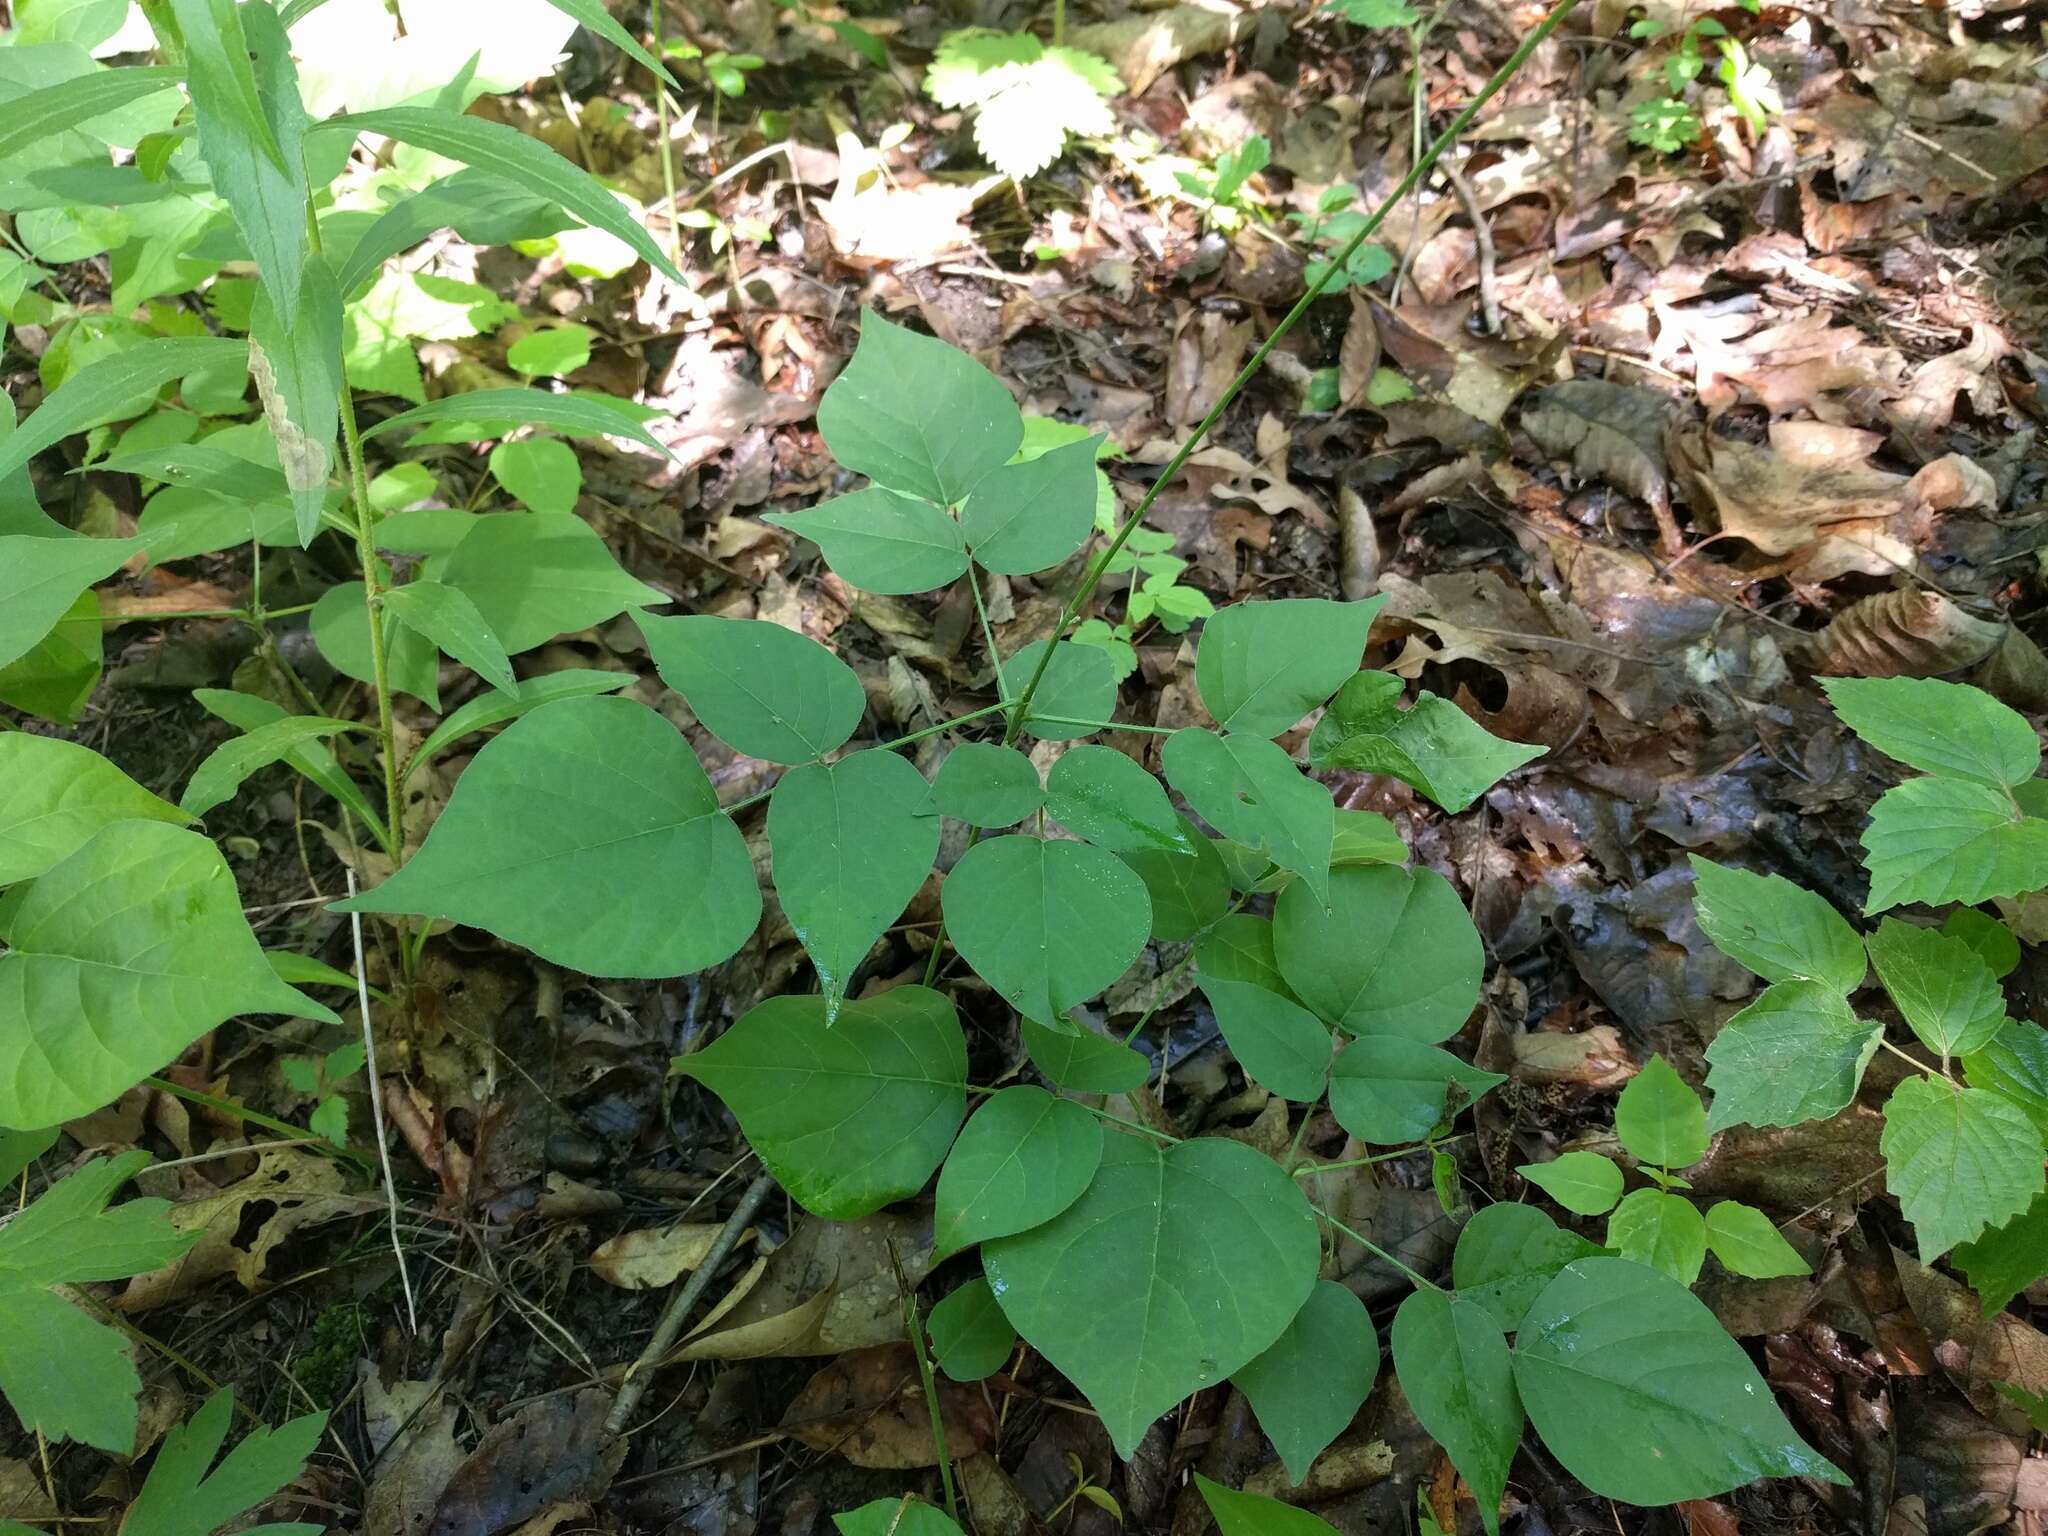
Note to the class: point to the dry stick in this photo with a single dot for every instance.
(640, 1374)
(355, 930)
(1071, 612)
(1482, 236)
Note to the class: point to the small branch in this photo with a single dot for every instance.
(640, 1374)
(1482, 235)
(1376, 1250)
(915, 1329)
(355, 931)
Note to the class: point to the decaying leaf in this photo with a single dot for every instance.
(1809, 479)
(291, 1189)
(868, 1407)
(649, 1257)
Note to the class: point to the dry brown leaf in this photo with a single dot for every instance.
(290, 1189)
(1613, 432)
(22, 1495)
(552, 1451)
(648, 1257)
(1974, 1350)
(1591, 1058)
(1781, 496)
(831, 1287)
(1144, 47)
(993, 1500)
(1907, 633)
(411, 1430)
(868, 1407)
(170, 596)
(1208, 349)
(1359, 357)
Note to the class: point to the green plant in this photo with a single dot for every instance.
(1220, 190)
(1330, 228)
(319, 1078)
(1665, 121)
(1027, 97)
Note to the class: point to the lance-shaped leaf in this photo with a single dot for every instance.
(1457, 1375)
(1433, 745)
(1392, 953)
(489, 709)
(1024, 1157)
(58, 795)
(851, 847)
(447, 616)
(53, 109)
(229, 765)
(1960, 1160)
(295, 361)
(882, 542)
(1194, 1257)
(1781, 931)
(536, 575)
(1308, 1385)
(107, 390)
(1250, 791)
(1028, 516)
(587, 833)
(248, 711)
(847, 1117)
(759, 688)
(1262, 666)
(120, 956)
(498, 411)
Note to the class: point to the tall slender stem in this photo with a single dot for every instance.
(1071, 612)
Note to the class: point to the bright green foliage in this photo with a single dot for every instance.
(1366, 837)
(41, 578)
(1610, 1343)
(1253, 1514)
(1082, 1062)
(1047, 924)
(542, 472)
(1940, 728)
(851, 845)
(881, 541)
(847, 1118)
(1189, 891)
(1505, 1256)
(1584, 1183)
(1776, 929)
(906, 1516)
(2015, 1065)
(1659, 1119)
(1992, 941)
(1240, 948)
(181, 1498)
(109, 389)
(494, 412)
(120, 955)
(970, 1336)
(1664, 1231)
(1959, 1160)
(986, 785)
(446, 616)
(1250, 791)
(1280, 1044)
(340, 624)
(58, 795)
(917, 416)
(1388, 1089)
(1099, 794)
(536, 575)
(1307, 1386)
(1433, 745)
(216, 780)
(1392, 954)
(1743, 1238)
(1948, 996)
(55, 677)
(1795, 1054)
(1079, 684)
(1027, 97)
(1023, 1158)
(588, 833)
(1024, 517)
(20, 1148)
(489, 709)
(759, 688)
(1262, 666)
(1457, 1375)
(552, 352)
(1940, 840)
(1214, 1250)
(65, 1374)
(249, 712)
(2007, 1259)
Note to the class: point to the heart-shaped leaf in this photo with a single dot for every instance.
(1392, 953)
(58, 795)
(1262, 666)
(1024, 1157)
(1306, 1388)
(882, 542)
(1250, 790)
(535, 575)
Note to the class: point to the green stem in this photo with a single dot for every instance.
(254, 1117)
(988, 635)
(1071, 612)
(1166, 982)
(668, 153)
(1308, 1169)
(1106, 725)
(1377, 1251)
(889, 746)
(915, 1328)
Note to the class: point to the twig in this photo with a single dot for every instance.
(915, 1329)
(1482, 234)
(640, 1374)
(355, 928)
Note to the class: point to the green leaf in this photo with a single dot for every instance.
(986, 785)
(1945, 728)
(110, 389)
(1584, 1183)
(882, 542)
(1240, 948)
(498, 411)
(41, 579)
(20, 1148)
(1082, 1061)
(2007, 1259)
(550, 353)
(850, 847)
(1947, 995)
(248, 711)
(1023, 1158)
(1387, 1089)
(180, 1499)
(55, 677)
(905, 1516)
(1262, 666)
(1047, 924)
(1795, 1054)
(1188, 893)
(1310, 1383)
(918, 416)
(1165, 1318)
(482, 209)
(1745, 1240)
(594, 18)
(970, 1336)
(759, 688)
(542, 472)
(1433, 745)
(1455, 1371)
(229, 765)
(851, 1117)
(1099, 794)
(67, 1375)
(1775, 928)
(1250, 791)
(1079, 684)
(122, 954)
(487, 710)
(446, 616)
(536, 575)
(1611, 1343)
(1506, 1255)
(2015, 1064)
(1392, 954)
(1661, 1230)
(587, 833)
(1659, 1119)
(340, 625)
(41, 114)
(1366, 837)
(58, 795)
(1281, 1045)
(1253, 1514)
(1025, 517)
(1940, 840)
(1959, 1160)
(506, 152)
(1992, 940)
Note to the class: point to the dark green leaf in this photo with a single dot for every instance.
(1456, 1373)
(226, 768)
(536, 575)
(986, 785)
(1433, 745)
(759, 688)
(2007, 1259)
(970, 1336)
(1027, 516)
(1188, 894)
(1250, 791)
(1281, 1045)
(1082, 1061)
(1308, 1385)
(881, 541)
(1079, 684)
(1506, 1255)
(1393, 952)
(1387, 1089)
(1099, 794)
(1023, 1158)
(1262, 666)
